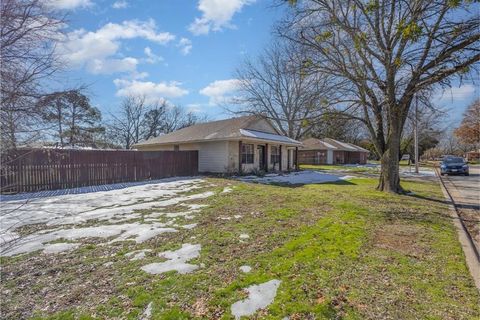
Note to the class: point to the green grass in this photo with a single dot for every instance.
(342, 251)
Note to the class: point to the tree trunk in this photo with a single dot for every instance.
(60, 119)
(389, 175)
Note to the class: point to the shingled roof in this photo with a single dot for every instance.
(228, 129)
(330, 144)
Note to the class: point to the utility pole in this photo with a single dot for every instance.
(415, 133)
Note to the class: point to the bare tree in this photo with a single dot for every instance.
(274, 86)
(127, 127)
(387, 51)
(428, 120)
(331, 125)
(138, 120)
(177, 118)
(29, 30)
(449, 144)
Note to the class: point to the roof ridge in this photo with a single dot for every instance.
(221, 120)
(224, 128)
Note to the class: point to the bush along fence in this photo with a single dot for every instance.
(27, 170)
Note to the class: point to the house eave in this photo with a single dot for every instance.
(290, 144)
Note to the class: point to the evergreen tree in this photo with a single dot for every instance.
(74, 120)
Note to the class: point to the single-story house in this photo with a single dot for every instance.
(473, 155)
(242, 144)
(331, 151)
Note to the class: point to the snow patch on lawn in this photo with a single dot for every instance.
(132, 231)
(300, 177)
(147, 313)
(103, 205)
(227, 190)
(109, 209)
(177, 260)
(410, 172)
(244, 236)
(367, 165)
(60, 247)
(189, 226)
(259, 297)
(347, 177)
(137, 254)
(245, 269)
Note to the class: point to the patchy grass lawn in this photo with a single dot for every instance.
(341, 251)
(341, 168)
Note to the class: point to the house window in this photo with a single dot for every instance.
(275, 155)
(247, 153)
(176, 147)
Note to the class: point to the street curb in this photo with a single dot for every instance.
(470, 250)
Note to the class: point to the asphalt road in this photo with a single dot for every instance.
(465, 190)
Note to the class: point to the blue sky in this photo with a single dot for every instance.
(182, 51)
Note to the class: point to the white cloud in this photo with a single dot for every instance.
(109, 66)
(138, 75)
(69, 4)
(151, 90)
(151, 57)
(220, 90)
(185, 46)
(216, 14)
(120, 4)
(454, 94)
(194, 107)
(84, 48)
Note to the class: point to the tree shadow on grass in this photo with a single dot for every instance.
(468, 206)
(297, 185)
(442, 201)
(423, 216)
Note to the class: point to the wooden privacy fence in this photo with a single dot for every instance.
(29, 170)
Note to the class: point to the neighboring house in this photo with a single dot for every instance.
(473, 155)
(243, 144)
(330, 151)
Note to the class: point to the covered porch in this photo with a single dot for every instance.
(254, 155)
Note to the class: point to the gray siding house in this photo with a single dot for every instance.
(242, 144)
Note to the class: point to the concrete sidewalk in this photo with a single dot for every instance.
(462, 190)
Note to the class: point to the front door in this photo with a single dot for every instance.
(261, 157)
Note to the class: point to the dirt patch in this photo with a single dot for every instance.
(406, 239)
(54, 282)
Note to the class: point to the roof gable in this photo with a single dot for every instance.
(262, 125)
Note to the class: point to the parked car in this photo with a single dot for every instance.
(453, 165)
